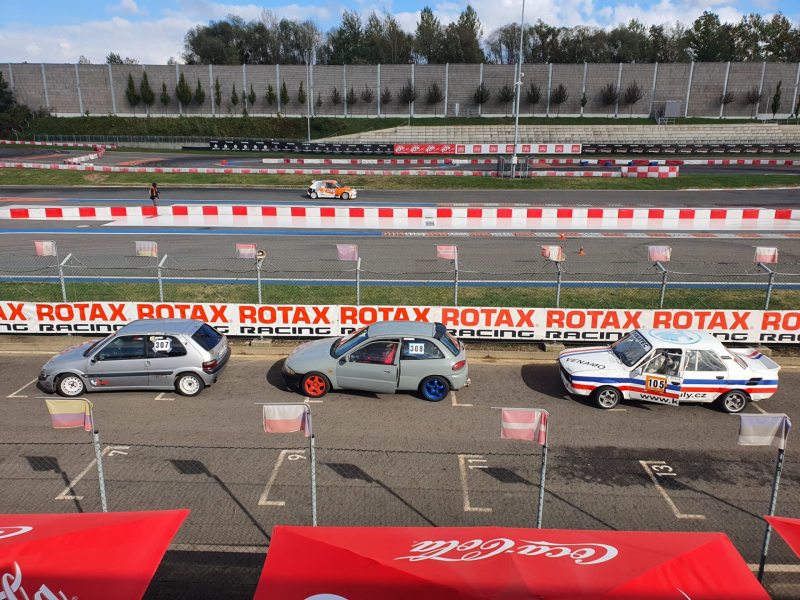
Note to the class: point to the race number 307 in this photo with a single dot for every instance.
(656, 384)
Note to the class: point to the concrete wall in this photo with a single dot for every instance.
(672, 82)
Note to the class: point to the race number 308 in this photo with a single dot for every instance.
(416, 348)
(658, 384)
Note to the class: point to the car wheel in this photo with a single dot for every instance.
(607, 397)
(70, 386)
(734, 401)
(314, 195)
(345, 196)
(314, 385)
(434, 388)
(189, 384)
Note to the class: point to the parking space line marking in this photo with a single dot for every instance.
(107, 450)
(263, 500)
(462, 466)
(777, 568)
(313, 401)
(646, 464)
(161, 397)
(455, 402)
(617, 410)
(763, 412)
(219, 548)
(14, 394)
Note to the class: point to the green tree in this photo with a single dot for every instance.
(318, 103)
(284, 95)
(482, 95)
(301, 95)
(386, 97)
(351, 97)
(347, 40)
(199, 94)
(429, 37)
(183, 92)
(131, 94)
(533, 96)
(336, 100)
(729, 97)
(217, 94)
(753, 98)
(251, 97)
(408, 94)
(7, 101)
(435, 96)
(558, 96)
(165, 99)
(710, 40)
(462, 39)
(367, 96)
(270, 96)
(147, 93)
(234, 97)
(633, 93)
(776, 99)
(506, 95)
(610, 96)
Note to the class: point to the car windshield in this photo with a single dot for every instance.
(94, 345)
(348, 342)
(333, 184)
(631, 348)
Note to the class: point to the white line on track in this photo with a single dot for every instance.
(646, 464)
(108, 450)
(758, 408)
(462, 466)
(15, 394)
(162, 398)
(274, 475)
(454, 401)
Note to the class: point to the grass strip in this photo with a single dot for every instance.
(392, 182)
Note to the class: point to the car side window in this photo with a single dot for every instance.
(164, 346)
(709, 361)
(418, 349)
(377, 353)
(123, 348)
(666, 362)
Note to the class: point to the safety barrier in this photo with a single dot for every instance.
(363, 161)
(651, 172)
(86, 157)
(64, 144)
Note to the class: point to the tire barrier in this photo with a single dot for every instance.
(64, 144)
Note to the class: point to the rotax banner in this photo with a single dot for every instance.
(469, 323)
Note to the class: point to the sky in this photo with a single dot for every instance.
(152, 31)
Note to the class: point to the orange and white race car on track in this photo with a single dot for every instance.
(330, 189)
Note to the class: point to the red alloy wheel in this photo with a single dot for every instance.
(315, 386)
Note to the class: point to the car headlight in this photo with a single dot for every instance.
(287, 369)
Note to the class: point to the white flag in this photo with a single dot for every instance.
(147, 249)
(764, 430)
(524, 424)
(246, 251)
(46, 248)
(347, 251)
(447, 252)
(766, 255)
(286, 418)
(660, 253)
(554, 253)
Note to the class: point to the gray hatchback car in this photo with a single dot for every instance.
(384, 357)
(163, 354)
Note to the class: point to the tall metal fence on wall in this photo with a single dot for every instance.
(463, 282)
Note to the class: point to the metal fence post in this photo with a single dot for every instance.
(455, 281)
(558, 285)
(358, 282)
(770, 283)
(160, 280)
(663, 284)
(258, 277)
(773, 500)
(61, 276)
(541, 486)
(99, 454)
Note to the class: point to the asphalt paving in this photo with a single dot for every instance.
(389, 460)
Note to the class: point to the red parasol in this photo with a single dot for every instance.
(305, 563)
(90, 556)
(789, 529)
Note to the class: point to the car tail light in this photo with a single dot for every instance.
(459, 365)
(208, 365)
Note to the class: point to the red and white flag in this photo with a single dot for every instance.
(521, 424)
(147, 249)
(554, 253)
(347, 251)
(660, 253)
(44, 248)
(766, 255)
(447, 252)
(246, 251)
(286, 418)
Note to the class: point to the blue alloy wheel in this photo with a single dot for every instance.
(434, 388)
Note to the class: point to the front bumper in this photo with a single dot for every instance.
(46, 383)
(292, 382)
(568, 384)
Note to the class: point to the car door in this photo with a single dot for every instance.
(328, 190)
(119, 364)
(705, 377)
(659, 379)
(372, 367)
(420, 358)
(165, 356)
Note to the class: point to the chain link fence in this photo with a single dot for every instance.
(472, 282)
(237, 495)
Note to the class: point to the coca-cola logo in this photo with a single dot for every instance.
(10, 584)
(582, 554)
(7, 532)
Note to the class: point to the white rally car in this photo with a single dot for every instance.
(668, 367)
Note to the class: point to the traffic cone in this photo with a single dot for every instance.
(224, 162)
(563, 237)
(581, 252)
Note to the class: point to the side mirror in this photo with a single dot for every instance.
(636, 373)
(342, 360)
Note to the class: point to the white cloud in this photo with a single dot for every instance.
(129, 7)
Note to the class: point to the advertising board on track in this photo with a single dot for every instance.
(468, 323)
(710, 150)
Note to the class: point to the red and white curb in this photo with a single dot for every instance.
(356, 217)
(592, 234)
(61, 144)
(361, 161)
(86, 157)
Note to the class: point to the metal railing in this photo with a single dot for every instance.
(466, 282)
(147, 139)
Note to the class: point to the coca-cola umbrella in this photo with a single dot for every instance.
(789, 530)
(88, 556)
(338, 563)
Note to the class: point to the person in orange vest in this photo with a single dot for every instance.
(154, 194)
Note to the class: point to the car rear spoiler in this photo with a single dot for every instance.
(756, 359)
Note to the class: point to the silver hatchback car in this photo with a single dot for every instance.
(163, 354)
(384, 357)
